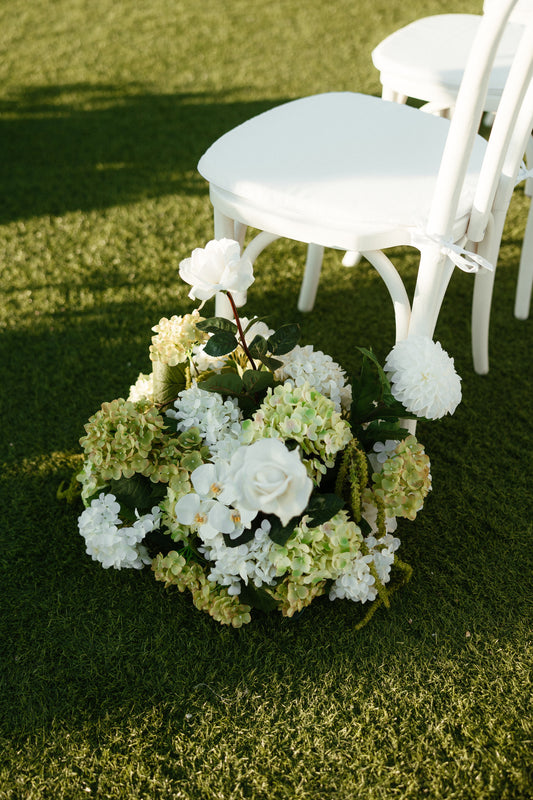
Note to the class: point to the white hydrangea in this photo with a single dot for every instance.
(248, 562)
(356, 583)
(109, 543)
(142, 389)
(423, 377)
(304, 364)
(215, 417)
(382, 551)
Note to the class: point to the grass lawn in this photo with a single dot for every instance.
(111, 686)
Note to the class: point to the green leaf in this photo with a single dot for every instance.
(371, 387)
(271, 363)
(258, 347)
(280, 534)
(284, 339)
(225, 383)
(220, 344)
(322, 507)
(256, 381)
(168, 382)
(246, 536)
(254, 321)
(137, 493)
(215, 324)
(257, 598)
(381, 432)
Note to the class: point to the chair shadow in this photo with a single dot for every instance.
(84, 146)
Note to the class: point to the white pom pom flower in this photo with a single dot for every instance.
(423, 377)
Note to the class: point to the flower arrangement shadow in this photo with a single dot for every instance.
(249, 471)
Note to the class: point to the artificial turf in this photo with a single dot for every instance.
(112, 686)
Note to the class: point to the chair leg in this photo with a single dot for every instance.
(524, 285)
(351, 258)
(313, 266)
(481, 304)
(224, 228)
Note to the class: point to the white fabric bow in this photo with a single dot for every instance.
(523, 173)
(464, 259)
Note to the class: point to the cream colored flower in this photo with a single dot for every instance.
(218, 267)
(266, 476)
(423, 377)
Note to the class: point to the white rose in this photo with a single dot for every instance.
(268, 477)
(218, 267)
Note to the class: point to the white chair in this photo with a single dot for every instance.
(354, 172)
(426, 59)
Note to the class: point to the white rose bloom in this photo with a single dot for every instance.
(423, 377)
(110, 544)
(266, 476)
(218, 267)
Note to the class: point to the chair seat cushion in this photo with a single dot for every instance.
(427, 58)
(340, 169)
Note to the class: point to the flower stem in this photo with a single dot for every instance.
(239, 328)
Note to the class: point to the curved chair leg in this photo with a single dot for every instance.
(525, 272)
(313, 267)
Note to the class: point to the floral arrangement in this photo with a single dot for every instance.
(248, 470)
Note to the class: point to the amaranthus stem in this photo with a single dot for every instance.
(239, 328)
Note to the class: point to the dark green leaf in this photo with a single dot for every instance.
(220, 344)
(168, 382)
(284, 339)
(137, 493)
(272, 363)
(280, 534)
(257, 598)
(225, 383)
(258, 347)
(255, 380)
(381, 431)
(246, 536)
(215, 324)
(322, 507)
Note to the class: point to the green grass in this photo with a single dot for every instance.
(112, 687)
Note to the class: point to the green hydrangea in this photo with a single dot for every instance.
(303, 415)
(173, 569)
(175, 338)
(124, 438)
(313, 555)
(404, 480)
(293, 595)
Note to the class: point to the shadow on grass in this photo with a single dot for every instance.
(85, 146)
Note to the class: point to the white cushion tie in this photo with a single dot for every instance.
(523, 173)
(466, 260)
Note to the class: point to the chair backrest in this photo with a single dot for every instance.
(510, 125)
(521, 13)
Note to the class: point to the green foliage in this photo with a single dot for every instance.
(375, 414)
(137, 493)
(168, 382)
